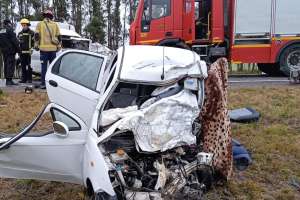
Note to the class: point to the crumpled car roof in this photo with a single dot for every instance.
(158, 65)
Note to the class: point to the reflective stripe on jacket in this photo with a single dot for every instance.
(26, 38)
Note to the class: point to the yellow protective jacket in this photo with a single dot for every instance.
(44, 39)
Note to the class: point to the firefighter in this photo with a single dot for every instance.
(48, 41)
(26, 38)
(9, 46)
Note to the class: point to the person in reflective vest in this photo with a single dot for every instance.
(26, 38)
(48, 41)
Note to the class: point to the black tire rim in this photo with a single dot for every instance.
(293, 59)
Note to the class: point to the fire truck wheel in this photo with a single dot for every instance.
(271, 69)
(290, 58)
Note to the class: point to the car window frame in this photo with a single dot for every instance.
(111, 76)
(148, 17)
(25, 132)
(79, 128)
(169, 11)
(110, 65)
(58, 62)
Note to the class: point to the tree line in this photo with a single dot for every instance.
(99, 20)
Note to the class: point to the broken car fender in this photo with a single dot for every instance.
(95, 168)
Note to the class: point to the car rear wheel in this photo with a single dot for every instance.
(290, 59)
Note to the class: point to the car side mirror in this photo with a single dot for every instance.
(60, 129)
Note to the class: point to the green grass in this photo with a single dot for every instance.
(274, 143)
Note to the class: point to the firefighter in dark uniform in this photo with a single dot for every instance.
(9, 46)
(26, 38)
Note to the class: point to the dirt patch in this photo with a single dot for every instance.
(18, 109)
(33, 190)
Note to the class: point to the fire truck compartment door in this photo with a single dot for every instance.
(287, 17)
(253, 17)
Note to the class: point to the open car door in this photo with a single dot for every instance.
(54, 155)
(73, 82)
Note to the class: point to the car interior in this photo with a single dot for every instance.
(128, 94)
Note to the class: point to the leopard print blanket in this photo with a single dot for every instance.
(216, 130)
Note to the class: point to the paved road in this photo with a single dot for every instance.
(255, 81)
(258, 81)
(18, 88)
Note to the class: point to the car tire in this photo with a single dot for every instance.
(290, 57)
(271, 69)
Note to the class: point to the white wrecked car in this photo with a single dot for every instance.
(124, 126)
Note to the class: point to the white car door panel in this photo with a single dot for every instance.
(82, 101)
(72, 82)
(47, 157)
(28, 159)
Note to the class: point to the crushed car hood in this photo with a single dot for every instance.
(159, 125)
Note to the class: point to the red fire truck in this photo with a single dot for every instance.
(266, 32)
